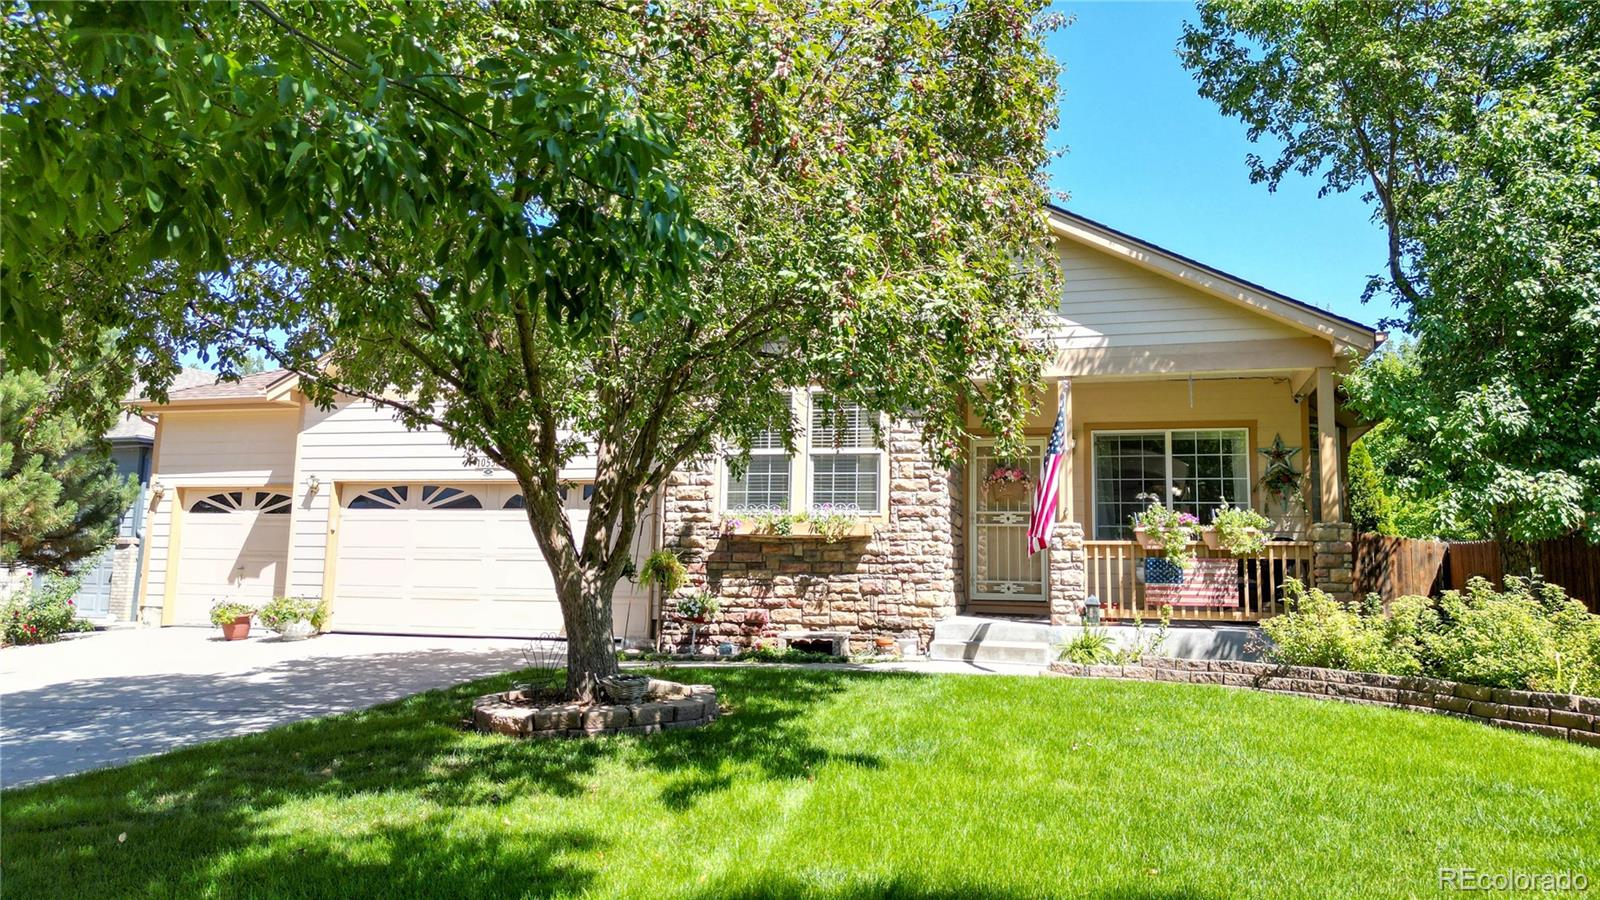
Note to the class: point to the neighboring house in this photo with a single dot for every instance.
(111, 583)
(1179, 375)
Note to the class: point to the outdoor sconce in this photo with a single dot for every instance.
(157, 489)
(313, 484)
(1091, 610)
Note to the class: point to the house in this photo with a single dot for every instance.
(109, 585)
(1172, 377)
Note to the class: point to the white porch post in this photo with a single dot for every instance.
(1064, 512)
(1328, 447)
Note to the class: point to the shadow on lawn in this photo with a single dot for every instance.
(206, 815)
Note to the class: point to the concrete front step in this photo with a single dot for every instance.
(978, 628)
(1025, 653)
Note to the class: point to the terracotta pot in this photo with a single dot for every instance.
(237, 630)
(1211, 539)
(1145, 540)
(884, 643)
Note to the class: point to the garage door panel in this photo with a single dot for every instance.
(234, 546)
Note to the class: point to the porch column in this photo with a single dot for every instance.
(1328, 447)
(1064, 512)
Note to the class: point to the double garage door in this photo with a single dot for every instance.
(454, 559)
(413, 558)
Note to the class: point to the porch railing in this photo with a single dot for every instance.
(1116, 575)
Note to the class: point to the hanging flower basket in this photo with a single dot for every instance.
(1007, 484)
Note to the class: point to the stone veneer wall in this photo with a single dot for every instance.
(897, 583)
(1068, 574)
(1333, 562)
(1563, 716)
(124, 571)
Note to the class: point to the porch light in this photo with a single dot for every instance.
(157, 489)
(1091, 610)
(313, 484)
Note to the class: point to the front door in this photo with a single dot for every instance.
(1002, 570)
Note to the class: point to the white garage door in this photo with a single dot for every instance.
(453, 559)
(234, 545)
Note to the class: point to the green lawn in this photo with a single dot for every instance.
(833, 784)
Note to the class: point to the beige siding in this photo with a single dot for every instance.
(211, 449)
(1109, 303)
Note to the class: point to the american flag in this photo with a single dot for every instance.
(1047, 494)
(1208, 582)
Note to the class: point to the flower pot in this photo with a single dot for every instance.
(1211, 539)
(295, 631)
(1006, 491)
(237, 630)
(1146, 540)
(884, 643)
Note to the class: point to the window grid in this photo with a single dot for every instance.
(1190, 470)
(841, 468)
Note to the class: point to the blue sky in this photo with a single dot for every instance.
(1147, 155)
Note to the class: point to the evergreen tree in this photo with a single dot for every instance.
(1369, 503)
(60, 496)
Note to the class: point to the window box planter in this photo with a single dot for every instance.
(1145, 540)
(799, 531)
(1212, 540)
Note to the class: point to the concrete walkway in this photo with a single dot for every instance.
(111, 697)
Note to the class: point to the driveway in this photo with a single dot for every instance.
(115, 696)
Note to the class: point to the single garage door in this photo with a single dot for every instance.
(454, 559)
(234, 545)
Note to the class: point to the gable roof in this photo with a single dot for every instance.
(135, 429)
(1213, 281)
(263, 387)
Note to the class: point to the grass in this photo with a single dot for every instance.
(830, 784)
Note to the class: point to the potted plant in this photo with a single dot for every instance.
(697, 610)
(294, 618)
(1238, 530)
(1006, 483)
(1167, 530)
(663, 567)
(233, 618)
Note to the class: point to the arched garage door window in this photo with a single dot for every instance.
(268, 502)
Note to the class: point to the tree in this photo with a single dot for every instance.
(1369, 502)
(60, 495)
(692, 209)
(1472, 129)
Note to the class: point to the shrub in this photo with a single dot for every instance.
(1320, 631)
(41, 615)
(1532, 636)
(225, 611)
(1090, 647)
(284, 611)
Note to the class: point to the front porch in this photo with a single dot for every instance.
(1194, 443)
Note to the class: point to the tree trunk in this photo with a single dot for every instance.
(590, 653)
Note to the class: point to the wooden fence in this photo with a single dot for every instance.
(1394, 567)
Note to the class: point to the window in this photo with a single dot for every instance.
(845, 460)
(392, 497)
(436, 497)
(266, 502)
(1192, 470)
(765, 484)
(841, 467)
